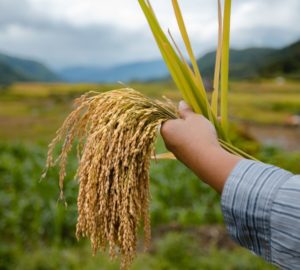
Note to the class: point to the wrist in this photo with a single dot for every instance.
(214, 165)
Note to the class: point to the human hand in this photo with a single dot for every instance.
(193, 140)
(193, 132)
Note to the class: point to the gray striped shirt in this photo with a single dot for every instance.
(261, 208)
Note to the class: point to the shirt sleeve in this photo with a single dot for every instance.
(261, 209)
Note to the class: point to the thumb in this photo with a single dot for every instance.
(184, 109)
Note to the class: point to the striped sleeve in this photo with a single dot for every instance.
(261, 209)
(285, 225)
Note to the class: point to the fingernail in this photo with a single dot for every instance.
(183, 105)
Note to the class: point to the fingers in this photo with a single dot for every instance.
(184, 109)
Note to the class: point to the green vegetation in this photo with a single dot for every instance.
(275, 104)
(174, 251)
(34, 227)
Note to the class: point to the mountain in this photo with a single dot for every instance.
(142, 71)
(244, 64)
(257, 62)
(284, 62)
(9, 75)
(13, 69)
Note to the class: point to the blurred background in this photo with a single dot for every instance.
(52, 51)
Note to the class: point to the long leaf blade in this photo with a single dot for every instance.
(225, 66)
(215, 94)
(187, 42)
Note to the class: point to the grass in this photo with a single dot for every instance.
(173, 251)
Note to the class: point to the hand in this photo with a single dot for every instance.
(193, 140)
(192, 131)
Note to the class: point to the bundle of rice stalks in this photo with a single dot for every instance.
(115, 133)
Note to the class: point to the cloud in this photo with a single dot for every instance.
(99, 32)
(61, 43)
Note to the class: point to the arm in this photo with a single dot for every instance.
(260, 202)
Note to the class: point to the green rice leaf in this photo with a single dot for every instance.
(179, 72)
(186, 40)
(215, 94)
(225, 66)
(188, 79)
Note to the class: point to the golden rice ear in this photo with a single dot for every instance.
(116, 132)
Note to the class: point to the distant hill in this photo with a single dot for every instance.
(9, 75)
(244, 64)
(140, 71)
(284, 62)
(13, 69)
(257, 62)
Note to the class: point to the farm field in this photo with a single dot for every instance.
(188, 230)
(27, 107)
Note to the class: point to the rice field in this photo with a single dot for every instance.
(27, 107)
(185, 214)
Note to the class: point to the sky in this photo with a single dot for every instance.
(64, 33)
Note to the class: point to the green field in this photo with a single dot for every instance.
(27, 107)
(188, 231)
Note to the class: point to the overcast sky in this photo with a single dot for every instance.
(65, 33)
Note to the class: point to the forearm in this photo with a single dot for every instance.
(213, 165)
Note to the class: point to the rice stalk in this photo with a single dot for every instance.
(225, 67)
(215, 94)
(188, 80)
(115, 134)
